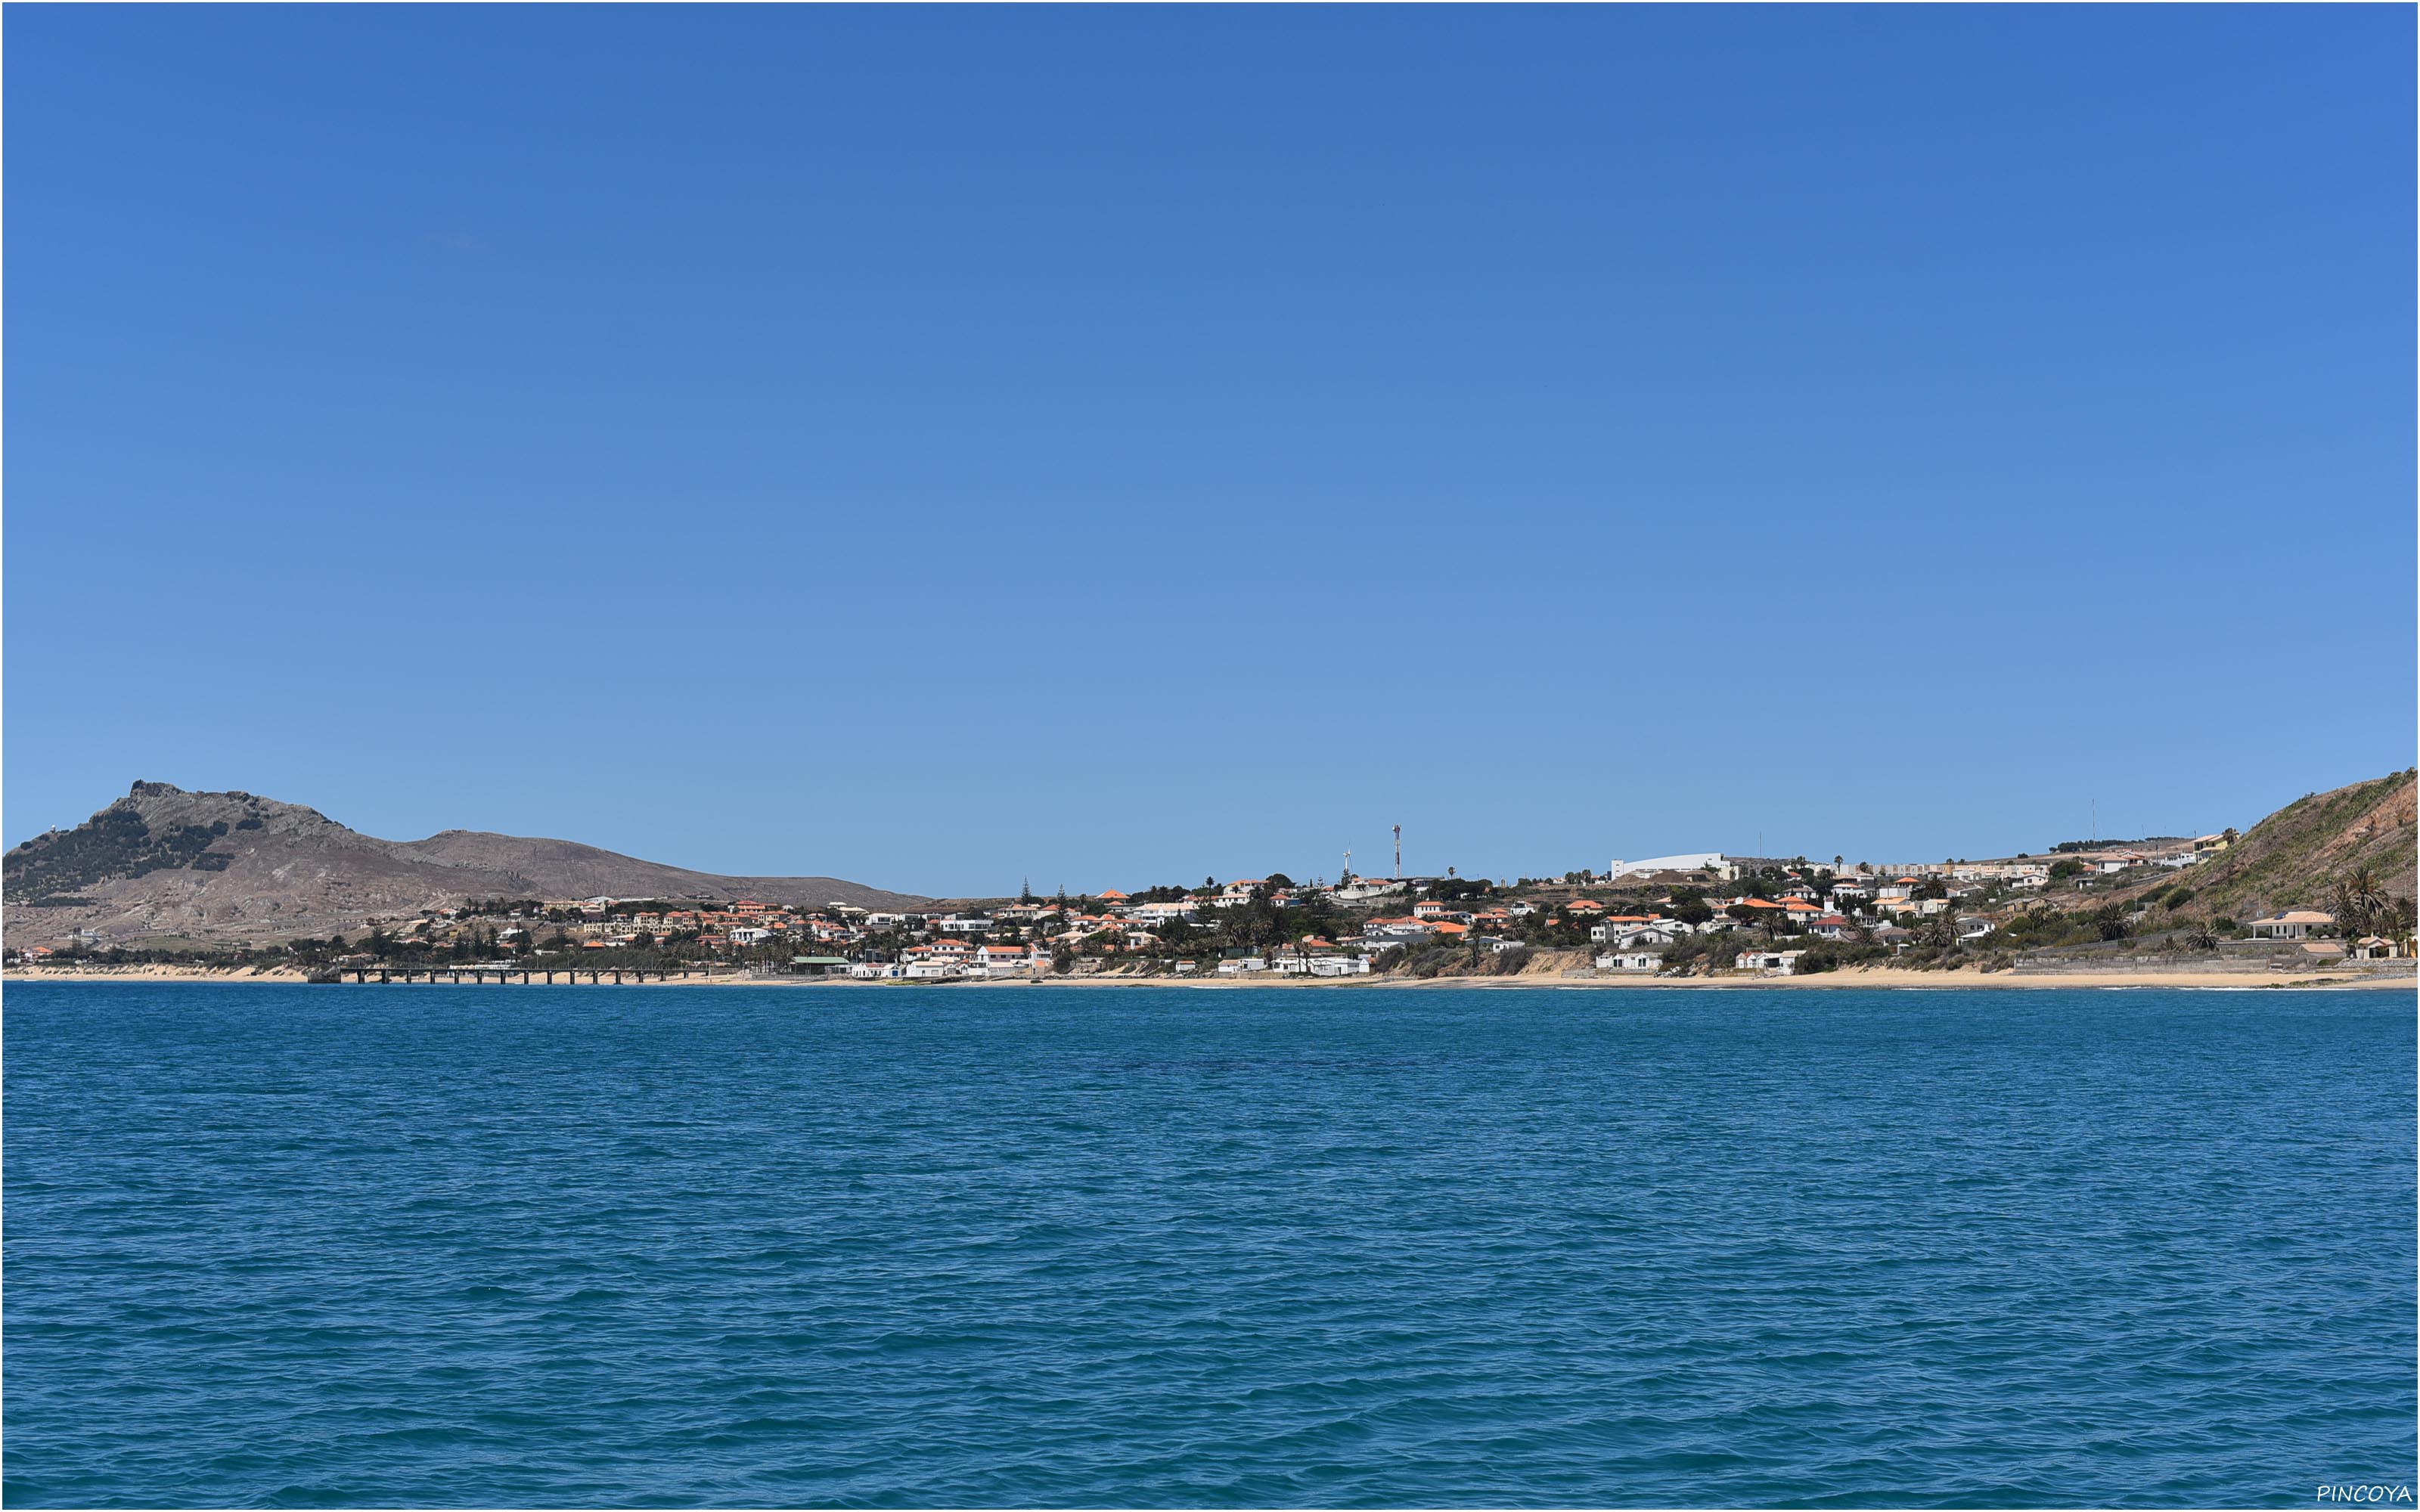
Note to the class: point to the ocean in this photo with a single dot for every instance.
(1044, 1246)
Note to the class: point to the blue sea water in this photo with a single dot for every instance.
(1082, 1247)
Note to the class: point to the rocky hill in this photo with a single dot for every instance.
(2292, 858)
(161, 864)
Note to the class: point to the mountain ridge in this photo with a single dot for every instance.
(163, 863)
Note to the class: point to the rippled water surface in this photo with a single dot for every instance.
(512, 1245)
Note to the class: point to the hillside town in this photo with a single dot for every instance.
(1700, 914)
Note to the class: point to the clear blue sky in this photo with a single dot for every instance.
(940, 448)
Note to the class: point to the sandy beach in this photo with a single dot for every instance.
(154, 973)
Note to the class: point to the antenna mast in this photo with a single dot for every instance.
(1399, 853)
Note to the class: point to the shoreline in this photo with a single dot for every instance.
(1879, 978)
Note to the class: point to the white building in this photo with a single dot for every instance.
(1695, 861)
(2291, 924)
(1181, 911)
(1007, 960)
(1770, 963)
(1236, 894)
(1324, 966)
(1630, 961)
(1629, 934)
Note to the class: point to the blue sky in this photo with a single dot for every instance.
(944, 447)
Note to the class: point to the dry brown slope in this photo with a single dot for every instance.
(566, 869)
(2293, 857)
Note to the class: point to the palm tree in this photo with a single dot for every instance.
(2361, 906)
(2344, 906)
(2367, 887)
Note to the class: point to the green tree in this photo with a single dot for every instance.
(2400, 917)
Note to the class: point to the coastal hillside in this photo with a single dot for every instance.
(165, 864)
(2292, 858)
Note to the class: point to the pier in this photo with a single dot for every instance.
(524, 976)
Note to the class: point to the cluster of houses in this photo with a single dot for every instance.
(1787, 906)
(1636, 942)
(1025, 937)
